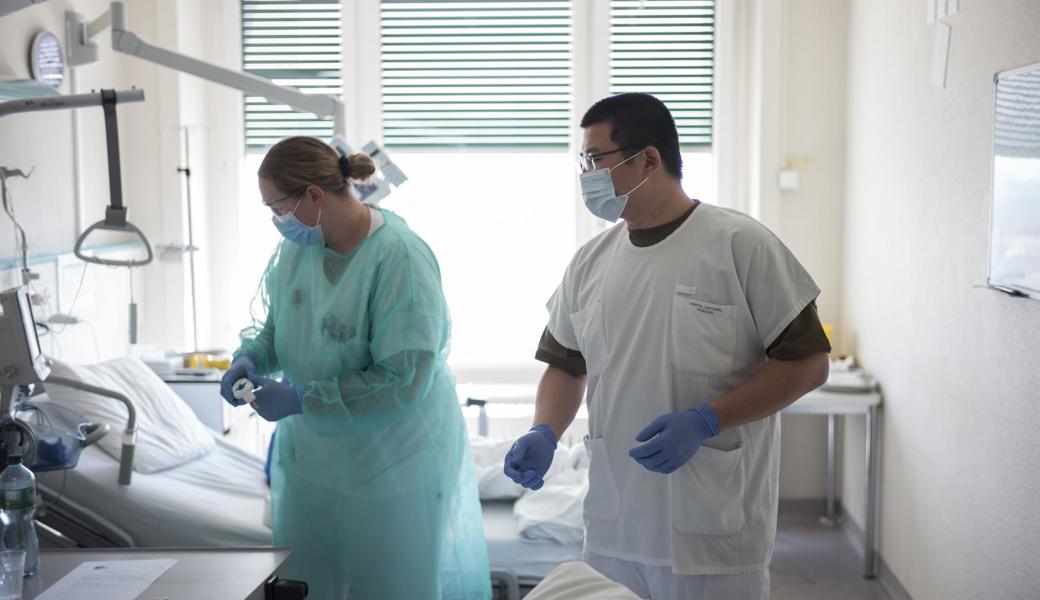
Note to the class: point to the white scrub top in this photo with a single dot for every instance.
(666, 328)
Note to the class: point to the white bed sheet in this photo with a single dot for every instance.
(216, 500)
(529, 560)
(220, 500)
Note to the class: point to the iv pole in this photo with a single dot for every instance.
(186, 169)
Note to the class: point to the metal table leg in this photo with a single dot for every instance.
(870, 527)
(830, 518)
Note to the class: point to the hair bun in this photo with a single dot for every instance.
(359, 166)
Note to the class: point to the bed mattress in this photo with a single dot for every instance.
(216, 500)
(220, 500)
(530, 560)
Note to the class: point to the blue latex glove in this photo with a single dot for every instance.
(676, 438)
(276, 400)
(242, 366)
(529, 458)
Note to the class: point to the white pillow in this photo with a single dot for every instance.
(579, 581)
(168, 432)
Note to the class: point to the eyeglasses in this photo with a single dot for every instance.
(587, 162)
(273, 204)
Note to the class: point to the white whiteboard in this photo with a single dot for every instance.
(1014, 264)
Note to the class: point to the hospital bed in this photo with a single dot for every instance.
(221, 500)
(217, 500)
(514, 558)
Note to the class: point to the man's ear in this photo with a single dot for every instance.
(652, 160)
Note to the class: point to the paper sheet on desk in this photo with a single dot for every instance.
(108, 580)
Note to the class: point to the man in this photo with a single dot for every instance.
(692, 326)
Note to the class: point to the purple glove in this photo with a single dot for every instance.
(242, 366)
(276, 400)
(529, 458)
(676, 438)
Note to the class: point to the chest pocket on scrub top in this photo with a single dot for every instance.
(592, 343)
(703, 335)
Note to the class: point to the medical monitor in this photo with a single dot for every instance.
(21, 359)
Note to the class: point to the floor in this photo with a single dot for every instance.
(814, 562)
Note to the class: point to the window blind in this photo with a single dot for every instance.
(296, 44)
(471, 73)
(666, 48)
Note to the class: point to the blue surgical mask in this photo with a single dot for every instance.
(597, 190)
(295, 231)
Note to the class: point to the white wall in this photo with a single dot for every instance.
(960, 366)
(70, 187)
(213, 115)
(801, 126)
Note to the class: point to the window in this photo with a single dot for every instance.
(478, 102)
(666, 48)
(296, 44)
(476, 74)
(477, 108)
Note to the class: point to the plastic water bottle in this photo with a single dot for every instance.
(17, 508)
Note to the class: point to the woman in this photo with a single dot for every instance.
(371, 477)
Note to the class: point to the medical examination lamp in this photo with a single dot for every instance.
(81, 50)
(22, 363)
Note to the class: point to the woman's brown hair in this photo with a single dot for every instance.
(297, 162)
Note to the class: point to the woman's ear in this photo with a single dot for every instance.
(316, 194)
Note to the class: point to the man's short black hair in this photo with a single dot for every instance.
(639, 120)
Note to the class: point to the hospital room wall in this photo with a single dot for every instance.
(70, 189)
(212, 115)
(804, 130)
(957, 363)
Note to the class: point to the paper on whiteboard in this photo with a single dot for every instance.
(108, 580)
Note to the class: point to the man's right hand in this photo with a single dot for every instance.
(529, 459)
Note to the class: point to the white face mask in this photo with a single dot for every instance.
(597, 190)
